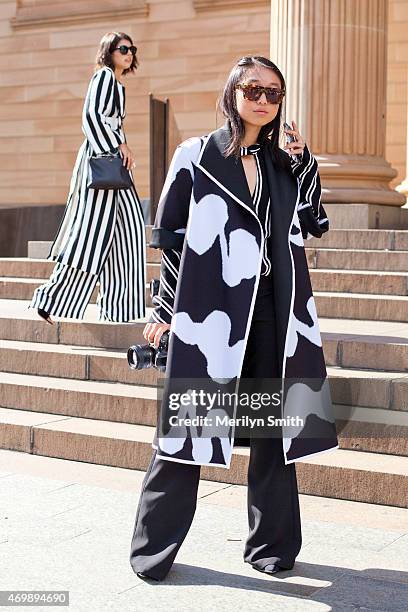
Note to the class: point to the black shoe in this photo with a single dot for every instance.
(269, 569)
(44, 315)
(144, 576)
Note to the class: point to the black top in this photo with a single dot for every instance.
(264, 304)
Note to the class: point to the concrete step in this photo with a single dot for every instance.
(371, 352)
(317, 257)
(71, 362)
(116, 402)
(24, 267)
(341, 249)
(23, 288)
(357, 259)
(336, 305)
(18, 322)
(30, 328)
(372, 430)
(363, 388)
(345, 281)
(374, 389)
(336, 238)
(360, 281)
(67, 361)
(374, 307)
(367, 422)
(38, 272)
(89, 363)
(391, 240)
(343, 474)
(39, 249)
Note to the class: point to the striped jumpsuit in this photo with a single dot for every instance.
(101, 238)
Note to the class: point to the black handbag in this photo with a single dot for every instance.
(106, 171)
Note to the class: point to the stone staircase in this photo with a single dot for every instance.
(66, 390)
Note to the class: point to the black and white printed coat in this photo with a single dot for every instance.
(212, 242)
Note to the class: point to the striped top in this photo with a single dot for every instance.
(104, 111)
(262, 202)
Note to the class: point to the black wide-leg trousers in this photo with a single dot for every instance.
(168, 498)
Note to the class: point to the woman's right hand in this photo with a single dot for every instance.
(127, 155)
(154, 331)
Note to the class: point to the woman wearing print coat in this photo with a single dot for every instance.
(236, 294)
(102, 234)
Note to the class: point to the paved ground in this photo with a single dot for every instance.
(67, 525)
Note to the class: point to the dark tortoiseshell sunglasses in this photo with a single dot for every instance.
(254, 92)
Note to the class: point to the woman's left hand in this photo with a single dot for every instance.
(127, 155)
(296, 147)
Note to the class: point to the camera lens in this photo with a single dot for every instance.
(140, 356)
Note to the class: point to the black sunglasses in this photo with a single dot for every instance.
(124, 49)
(254, 92)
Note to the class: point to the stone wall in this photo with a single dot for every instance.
(47, 49)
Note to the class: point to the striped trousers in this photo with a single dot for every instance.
(122, 278)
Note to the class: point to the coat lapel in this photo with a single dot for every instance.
(284, 195)
(228, 172)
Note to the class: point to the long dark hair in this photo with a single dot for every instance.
(108, 44)
(269, 133)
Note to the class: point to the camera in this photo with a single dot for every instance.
(141, 356)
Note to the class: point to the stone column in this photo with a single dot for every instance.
(403, 187)
(333, 56)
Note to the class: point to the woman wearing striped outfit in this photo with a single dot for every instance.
(102, 236)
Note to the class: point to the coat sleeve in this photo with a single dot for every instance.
(98, 103)
(170, 225)
(312, 216)
(164, 300)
